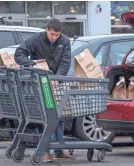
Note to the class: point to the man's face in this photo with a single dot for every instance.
(52, 35)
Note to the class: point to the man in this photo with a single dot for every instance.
(55, 47)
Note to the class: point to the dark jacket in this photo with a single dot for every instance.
(58, 56)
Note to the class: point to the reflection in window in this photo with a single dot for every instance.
(38, 23)
(70, 8)
(16, 23)
(118, 51)
(26, 35)
(122, 30)
(12, 7)
(38, 9)
(73, 28)
(119, 7)
(75, 44)
(130, 57)
(6, 39)
(100, 55)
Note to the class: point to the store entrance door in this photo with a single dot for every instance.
(73, 27)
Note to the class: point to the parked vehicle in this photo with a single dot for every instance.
(120, 115)
(109, 50)
(14, 35)
(103, 48)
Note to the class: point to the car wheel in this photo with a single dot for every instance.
(86, 128)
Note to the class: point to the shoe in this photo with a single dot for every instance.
(63, 156)
(48, 158)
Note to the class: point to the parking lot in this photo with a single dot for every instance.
(122, 155)
(119, 156)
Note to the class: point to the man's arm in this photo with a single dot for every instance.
(24, 50)
(65, 60)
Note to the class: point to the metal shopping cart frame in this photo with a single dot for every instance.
(48, 114)
(10, 109)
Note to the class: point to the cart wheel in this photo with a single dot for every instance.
(90, 154)
(18, 155)
(35, 159)
(101, 155)
(71, 151)
(9, 151)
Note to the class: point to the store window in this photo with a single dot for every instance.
(119, 7)
(69, 8)
(39, 9)
(38, 23)
(12, 7)
(118, 30)
(73, 28)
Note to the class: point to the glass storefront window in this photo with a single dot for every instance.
(71, 28)
(69, 8)
(37, 23)
(12, 7)
(122, 30)
(119, 7)
(38, 9)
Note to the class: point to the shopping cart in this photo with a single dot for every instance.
(46, 99)
(10, 110)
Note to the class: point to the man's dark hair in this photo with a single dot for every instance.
(55, 24)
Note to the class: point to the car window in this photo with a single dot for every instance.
(26, 35)
(130, 58)
(118, 51)
(6, 39)
(77, 44)
(101, 54)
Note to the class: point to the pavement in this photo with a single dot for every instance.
(119, 141)
(122, 155)
(119, 156)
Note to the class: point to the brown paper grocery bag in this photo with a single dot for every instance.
(120, 91)
(41, 64)
(87, 66)
(8, 61)
(130, 88)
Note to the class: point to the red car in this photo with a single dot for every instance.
(120, 115)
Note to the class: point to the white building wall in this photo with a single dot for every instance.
(99, 22)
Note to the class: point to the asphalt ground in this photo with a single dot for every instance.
(122, 155)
